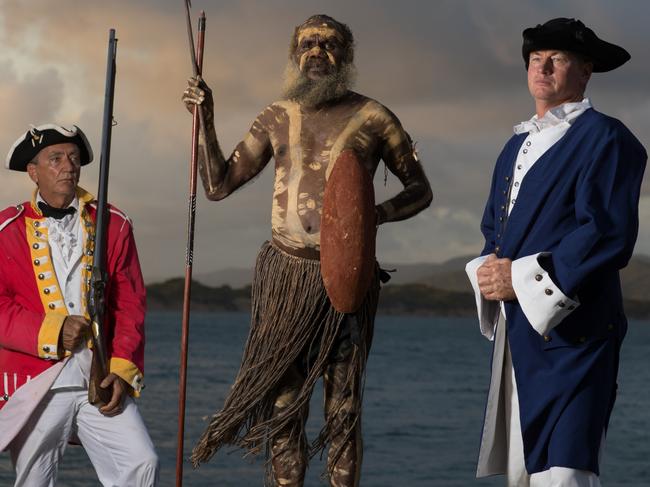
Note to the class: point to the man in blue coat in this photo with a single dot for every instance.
(560, 222)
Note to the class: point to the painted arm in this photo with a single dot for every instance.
(222, 176)
(399, 155)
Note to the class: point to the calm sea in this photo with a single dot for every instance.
(424, 400)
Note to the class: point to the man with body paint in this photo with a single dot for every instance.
(560, 222)
(46, 255)
(296, 335)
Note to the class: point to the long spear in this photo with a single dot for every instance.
(197, 66)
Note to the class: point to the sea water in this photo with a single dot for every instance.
(423, 407)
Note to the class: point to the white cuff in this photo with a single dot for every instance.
(488, 311)
(543, 303)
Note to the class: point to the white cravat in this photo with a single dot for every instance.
(543, 133)
(65, 237)
(567, 112)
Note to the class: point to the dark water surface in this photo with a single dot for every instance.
(423, 407)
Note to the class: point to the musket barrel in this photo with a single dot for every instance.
(99, 275)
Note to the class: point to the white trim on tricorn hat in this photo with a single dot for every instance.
(28, 145)
(572, 35)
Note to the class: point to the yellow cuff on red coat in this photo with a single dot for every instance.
(48, 336)
(128, 371)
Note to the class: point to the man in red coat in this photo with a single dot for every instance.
(46, 248)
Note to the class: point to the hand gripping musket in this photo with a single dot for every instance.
(99, 276)
(197, 65)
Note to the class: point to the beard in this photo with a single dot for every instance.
(311, 93)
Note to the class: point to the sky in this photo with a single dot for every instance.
(451, 70)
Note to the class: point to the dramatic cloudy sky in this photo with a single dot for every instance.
(451, 70)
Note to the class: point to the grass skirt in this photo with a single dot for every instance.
(292, 320)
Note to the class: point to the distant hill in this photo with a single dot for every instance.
(230, 276)
(169, 295)
(635, 278)
(435, 289)
(448, 276)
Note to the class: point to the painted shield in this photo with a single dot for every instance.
(347, 235)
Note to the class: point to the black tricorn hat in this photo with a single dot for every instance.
(572, 35)
(38, 138)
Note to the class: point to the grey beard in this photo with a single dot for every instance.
(311, 93)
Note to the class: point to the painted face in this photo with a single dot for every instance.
(56, 172)
(319, 51)
(556, 77)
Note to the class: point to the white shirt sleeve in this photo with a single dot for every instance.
(543, 303)
(488, 311)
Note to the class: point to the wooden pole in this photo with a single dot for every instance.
(197, 62)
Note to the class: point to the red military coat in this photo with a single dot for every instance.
(32, 309)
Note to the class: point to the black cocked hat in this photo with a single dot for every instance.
(572, 35)
(38, 138)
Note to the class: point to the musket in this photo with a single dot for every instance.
(197, 66)
(99, 275)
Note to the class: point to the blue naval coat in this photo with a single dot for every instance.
(579, 201)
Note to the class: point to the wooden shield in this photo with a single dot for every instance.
(347, 235)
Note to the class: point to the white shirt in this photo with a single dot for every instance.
(65, 238)
(544, 311)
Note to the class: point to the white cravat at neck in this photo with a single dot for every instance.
(567, 112)
(64, 232)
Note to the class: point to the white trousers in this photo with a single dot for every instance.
(516, 475)
(119, 447)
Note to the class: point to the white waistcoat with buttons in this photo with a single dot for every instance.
(543, 133)
(65, 238)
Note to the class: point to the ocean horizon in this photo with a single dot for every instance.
(426, 385)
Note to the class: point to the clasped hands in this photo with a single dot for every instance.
(495, 279)
(75, 332)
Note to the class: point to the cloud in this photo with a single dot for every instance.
(451, 70)
(432, 236)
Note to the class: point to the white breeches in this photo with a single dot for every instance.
(119, 447)
(516, 475)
